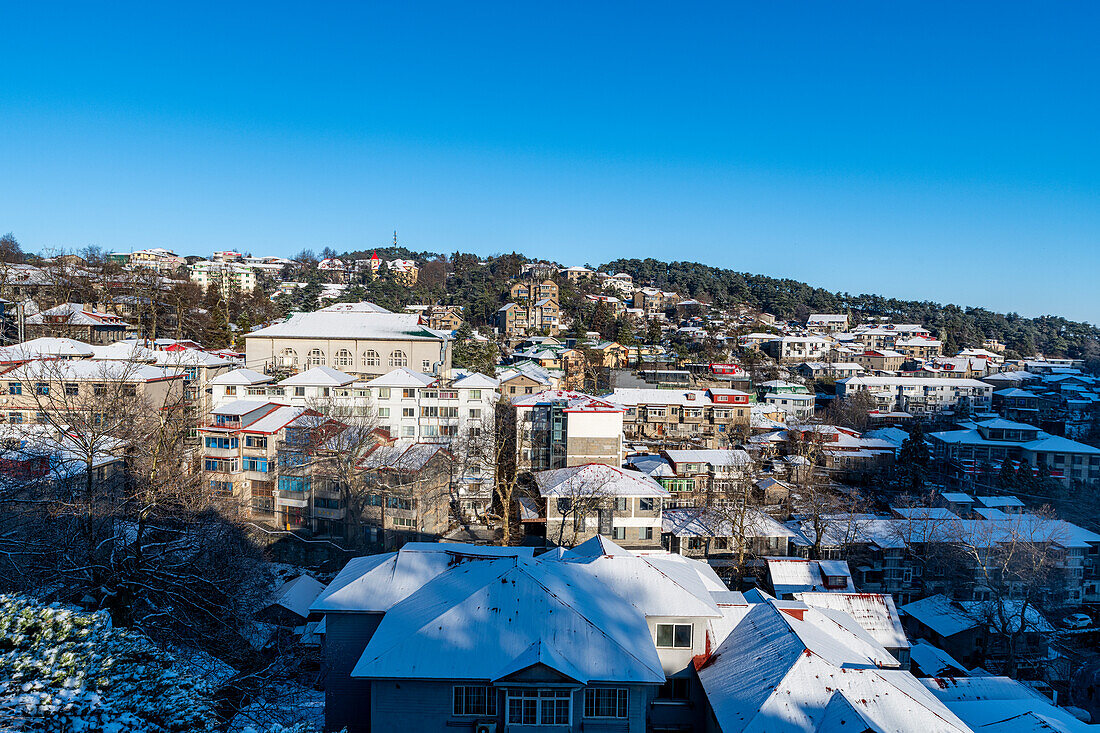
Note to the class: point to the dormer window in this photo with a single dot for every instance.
(836, 581)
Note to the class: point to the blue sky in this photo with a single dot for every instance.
(943, 151)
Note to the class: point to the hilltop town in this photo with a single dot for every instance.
(503, 492)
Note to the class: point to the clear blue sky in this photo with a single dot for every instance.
(946, 151)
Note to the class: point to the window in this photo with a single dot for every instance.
(618, 533)
(343, 358)
(475, 700)
(129, 390)
(398, 358)
(677, 688)
(371, 358)
(230, 391)
(564, 505)
(475, 394)
(256, 464)
(288, 358)
(425, 365)
(15, 418)
(255, 441)
(605, 703)
(383, 412)
(404, 522)
(409, 411)
(72, 389)
(645, 533)
(448, 395)
(408, 431)
(645, 505)
(620, 504)
(315, 357)
(475, 414)
(15, 388)
(42, 388)
(539, 707)
(383, 393)
(674, 636)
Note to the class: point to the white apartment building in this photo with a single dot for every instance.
(920, 395)
(227, 276)
(797, 348)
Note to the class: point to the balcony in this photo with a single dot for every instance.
(298, 499)
(323, 513)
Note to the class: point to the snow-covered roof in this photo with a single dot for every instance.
(318, 376)
(82, 370)
(992, 704)
(402, 377)
(948, 617)
(784, 667)
(402, 455)
(351, 324)
(933, 661)
(596, 479)
(715, 457)
(45, 347)
(490, 619)
(633, 396)
(651, 465)
(297, 595)
(274, 421)
(573, 401)
(794, 575)
(241, 377)
(875, 612)
(374, 583)
(124, 351)
(191, 357)
(475, 380)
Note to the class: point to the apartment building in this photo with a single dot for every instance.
(227, 276)
(711, 418)
(595, 499)
(73, 320)
(919, 347)
(559, 429)
(530, 290)
(827, 322)
(879, 360)
(414, 498)
(40, 387)
(797, 348)
(241, 460)
(986, 444)
(357, 338)
(885, 336)
(920, 395)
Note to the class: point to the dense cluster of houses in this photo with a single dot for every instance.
(670, 576)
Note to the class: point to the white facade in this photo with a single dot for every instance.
(918, 395)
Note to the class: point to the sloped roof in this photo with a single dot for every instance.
(241, 377)
(794, 575)
(318, 376)
(715, 457)
(596, 479)
(992, 704)
(297, 595)
(482, 620)
(574, 401)
(374, 583)
(875, 612)
(191, 357)
(402, 377)
(776, 672)
(933, 661)
(46, 346)
(351, 324)
(124, 351)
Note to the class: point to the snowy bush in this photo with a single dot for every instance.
(63, 670)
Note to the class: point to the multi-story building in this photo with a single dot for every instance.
(595, 499)
(414, 497)
(241, 462)
(73, 320)
(919, 347)
(885, 336)
(155, 258)
(797, 348)
(827, 322)
(970, 457)
(227, 276)
(529, 290)
(558, 429)
(879, 360)
(918, 395)
(356, 338)
(711, 418)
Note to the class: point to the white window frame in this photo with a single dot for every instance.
(673, 645)
(538, 695)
